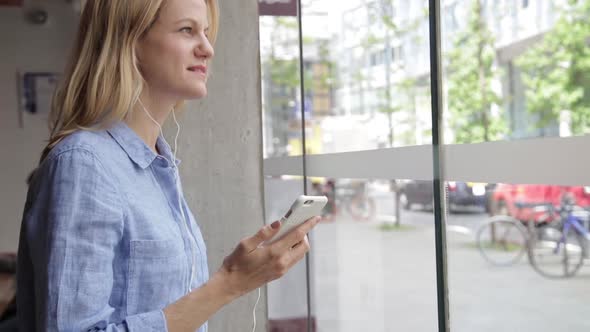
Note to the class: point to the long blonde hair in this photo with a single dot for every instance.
(102, 81)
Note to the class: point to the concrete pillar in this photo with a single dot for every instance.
(221, 150)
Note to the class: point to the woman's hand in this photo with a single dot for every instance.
(253, 263)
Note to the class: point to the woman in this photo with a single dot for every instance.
(108, 242)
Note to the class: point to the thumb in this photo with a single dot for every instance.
(264, 234)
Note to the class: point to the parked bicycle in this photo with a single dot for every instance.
(559, 248)
(503, 240)
(554, 238)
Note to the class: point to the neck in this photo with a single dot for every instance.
(140, 122)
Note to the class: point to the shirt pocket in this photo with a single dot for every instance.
(157, 273)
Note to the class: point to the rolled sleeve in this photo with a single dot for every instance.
(73, 235)
(149, 321)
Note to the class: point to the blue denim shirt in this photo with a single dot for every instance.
(103, 243)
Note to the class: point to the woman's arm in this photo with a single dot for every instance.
(250, 266)
(194, 309)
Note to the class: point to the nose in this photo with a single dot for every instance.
(204, 49)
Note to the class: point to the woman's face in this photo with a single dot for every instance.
(174, 54)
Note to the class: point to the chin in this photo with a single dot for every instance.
(196, 92)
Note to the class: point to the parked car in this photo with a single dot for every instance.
(460, 195)
(506, 195)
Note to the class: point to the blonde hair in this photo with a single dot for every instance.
(102, 81)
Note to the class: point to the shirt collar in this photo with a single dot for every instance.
(136, 148)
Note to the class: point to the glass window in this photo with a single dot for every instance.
(279, 52)
(371, 96)
(498, 266)
(528, 81)
(287, 297)
(517, 238)
(370, 272)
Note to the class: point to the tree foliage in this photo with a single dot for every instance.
(556, 72)
(471, 71)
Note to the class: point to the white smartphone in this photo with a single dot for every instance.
(302, 209)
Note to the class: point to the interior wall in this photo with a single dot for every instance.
(25, 48)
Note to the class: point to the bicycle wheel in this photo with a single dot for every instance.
(554, 255)
(502, 240)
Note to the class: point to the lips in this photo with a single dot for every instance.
(198, 69)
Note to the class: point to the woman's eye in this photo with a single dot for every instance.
(186, 29)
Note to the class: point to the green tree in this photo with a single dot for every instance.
(283, 71)
(281, 78)
(556, 72)
(281, 75)
(470, 95)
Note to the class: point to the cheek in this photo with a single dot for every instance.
(161, 62)
(174, 57)
(164, 65)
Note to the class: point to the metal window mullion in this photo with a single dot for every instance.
(304, 153)
(438, 166)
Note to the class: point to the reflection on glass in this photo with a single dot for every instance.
(529, 250)
(515, 69)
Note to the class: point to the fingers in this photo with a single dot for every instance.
(304, 242)
(297, 234)
(298, 251)
(265, 233)
(282, 262)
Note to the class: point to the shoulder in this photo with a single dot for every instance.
(81, 151)
(95, 144)
(75, 168)
(82, 142)
(72, 170)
